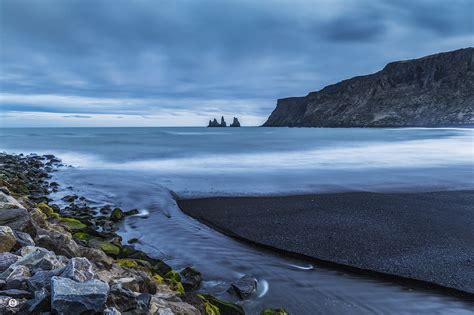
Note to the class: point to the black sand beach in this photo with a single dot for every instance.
(422, 236)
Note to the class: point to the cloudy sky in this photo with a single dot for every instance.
(181, 62)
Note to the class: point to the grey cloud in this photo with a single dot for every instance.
(178, 54)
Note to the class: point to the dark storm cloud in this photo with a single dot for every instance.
(142, 56)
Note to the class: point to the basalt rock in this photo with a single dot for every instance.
(7, 239)
(244, 288)
(433, 91)
(235, 123)
(71, 297)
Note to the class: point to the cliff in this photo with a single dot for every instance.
(433, 91)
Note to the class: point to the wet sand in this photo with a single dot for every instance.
(422, 236)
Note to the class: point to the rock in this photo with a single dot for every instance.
(274, 311)
(35, 258)
(7, 239)
(132, 240)
(126, 301)
(96, 255)
(61, 243)
(69, 198)
(17, 294)
(70, 297)
(111, 311)
(42, 279)
(235, 123)
(16, 217)
(78, 269)
(116, 215)
(40, 303)
(110, 249)
(190, 278)
(17, 279)
(223, 307)
(165, 307)
(412, 93)
(244, 287)
(23, 239)
(6, 260)
(131, 212)
(214, 123)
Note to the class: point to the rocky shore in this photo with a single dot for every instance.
(70, 260)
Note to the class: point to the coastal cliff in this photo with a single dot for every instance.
(433, 91)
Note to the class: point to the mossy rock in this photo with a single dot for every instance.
(175, 285)
(72, 224)
(116, 215)
(225, 308)
(174, 275)
(55, 215)
(158, 279)
(211, 309)
(157, 266)
(129, 263)
(274, 311)
(82, 236)
(110, 249)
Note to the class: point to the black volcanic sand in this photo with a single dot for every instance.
(422, 236)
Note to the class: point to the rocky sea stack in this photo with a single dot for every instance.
(433, 91)
(215, 123)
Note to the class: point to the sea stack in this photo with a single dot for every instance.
(433, 91)
(235, 123)
(214, 123)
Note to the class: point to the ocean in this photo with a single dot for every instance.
(145, 167)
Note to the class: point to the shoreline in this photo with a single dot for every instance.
(218, 213)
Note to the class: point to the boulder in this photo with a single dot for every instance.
(6, 260)
(274, 311)
(40, 303)
(23, 239)
(244, 287)
(117, 215)
(131, 212)
(7, 239)
(111, 311)
(42, 279)
(190, 278)
(59, 242)
(127, 301)
(35, 258)
(70, 297)
(223, 307)
(16, 217)
(17, 279)
(164, 307)
(16, 294)
(78, 269)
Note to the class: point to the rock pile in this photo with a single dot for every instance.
(70, 260)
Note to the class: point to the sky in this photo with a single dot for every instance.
(183, 62)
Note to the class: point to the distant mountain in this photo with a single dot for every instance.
(432, 91)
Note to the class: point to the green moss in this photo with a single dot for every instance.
(110, 249)
(129, 263)
(175, 285)
(82, 236)
(45, 209)
(211, 309)
(174, 275)
(73, 224)
(274, 311)
(116, 215)
(158, 279)
(223, 307)
(55, 215)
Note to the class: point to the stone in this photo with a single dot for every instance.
(274, 311)
(69, 198)
(35, 258)
(6, 260)
(61, 243)
(70, 297)
(16, 218)
(165, 307)
(235, 123)
(7, 239)
(117, 215)
(78, 269)
(126, 301)
(23, 239)
(190, 278)
(96, 255)
(42, 279)
(40, 303)
(17, 279)
(223, 307)
(131, 212)
(111, 311)
(244, 288)
(17, 294)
